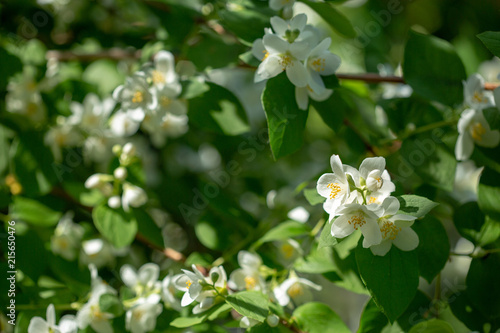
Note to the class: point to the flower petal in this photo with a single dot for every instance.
(371, 233)
(464, 147)
(371, 163)
(301, 97)
(297, 73)
(382, 248)
(406, 240)
(128, 275)
(341, 227)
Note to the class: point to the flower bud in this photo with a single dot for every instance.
(114, 202)
(273, 320)
(120, 173)
(117, 150)
(214, 276)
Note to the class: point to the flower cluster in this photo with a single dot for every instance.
(109, 185)
(360, 199)
(473, 128)
(296, 48)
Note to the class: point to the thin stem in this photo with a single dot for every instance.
(317, 227)
(422, 129)
(437, 294)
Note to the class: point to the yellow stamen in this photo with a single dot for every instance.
(188, 283)
(372, 200)
(357, 221)
(285, 61)
(165, 101)
(389, 230)
(295, 290)
(266, 54)
(318, 65)
(477, 131)
(479, 97)
(250, 282)
(335, 187)
(138, 97)
(158, 77)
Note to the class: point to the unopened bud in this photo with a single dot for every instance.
(120, 173)
(117, 150)
(114, 202)
(273, 320)
(214, 276)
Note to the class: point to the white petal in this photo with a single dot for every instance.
(332, 63)
(297, 73)
(149, 273)
(323, 182)
(391, 205)
(371, 163)
(300, 49)
(186, 299)
(51, 315)
(490, 139)
(269, 68)
(406, 240)
(464, 147)
(274, 44)
(322, 96)
(371, 233)
(302, 97)
(279, 25)
(258, 49)
(298, 22)
(341, 227)
(382, 248)
(38, 325)
(249, 260)
(128, 275)
(337, 167)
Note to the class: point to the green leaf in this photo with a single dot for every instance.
(285, 120)
(285, 230)
(392, 279)
(333, 17)
(491, 39)
(34, 212)
(116, 226)
(104, 75)
(31, 256)
(492, 116)
(15, 65)
(372, 319)
(483, 289)
(473, 225)
(414, 313)
(111, 304)
(333, 110)
(415, 205)
(434, 247)
(247, 23)
(252, 304)
(312, 196)
(325, 238)
(184, 322)
(4, 150)
(218, 110)
(317, 317)
(432, 326)
(468, 314)
(319, 261)
(34, 164)
(433, 69)
(147, 227)
(488, 193)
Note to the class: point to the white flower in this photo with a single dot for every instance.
(164, 71)
(289, 30)
(288, 251)
(191, 283)
(142, 318)
(67, 237)
(278, 4)
(122, 124)
(168, 292)
(321, 62)
(395, 228)
(248, 276)
(68, 324)
(474, 94)
(296, 289)
(39, 325)
(96, 251)
(23, 96)
(92, 114)
(60, 136)
(372, 177)
(90, 313)
(334, 187)
(135, 96)
(100, 181)
(299, 214)
(133, 196)
(474, 129)
(163, 124)
(168, 102)
(354, 216)
(144, 282)
(490, 70)
(283, 56)
(302, 96)
(466, 181)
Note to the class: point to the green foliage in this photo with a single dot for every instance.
(285, 120)
(372, 319)
(415, 205)
(115, 225)
(433, 69)
(251, 304)
(484, 272)
(333, 17)
(316, 317)
(111, 304)
(432, 326)
(392, 279)
(326, 239)
(34, 212)
(284, 230)
(492, 41)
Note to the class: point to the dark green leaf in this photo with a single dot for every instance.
(392, 279)
(417, 311)
(285, 120)
(483, 288)
(468, 314)
(252, 304)
(492, 116)
(415, 205)
(434, 247)
(372, 319)
(218, 110)
(317, 317)
(31, 256)
(333, 110)
(34, 212)
(147, 227)
(488, 193)
(15, 65)
(333, 17)
(433, 69)
(247, 23)
(116, 226)
(474, 226)
(491, 39)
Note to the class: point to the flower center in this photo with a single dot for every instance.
(389, 230)
(285, 61)
(165, 101)
(138, 314)
(295, 290)
(357, 221)
(318, 64)
(287, 250)
(478, 97)
(188, 283)
(477, 131)
(138, 97)
(373, 200)
(335, 189)
(266, 54)
(250, 282)
(158, 77)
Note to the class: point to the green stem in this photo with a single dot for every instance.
(437, 294)
(59, 307)
(317, 227)
(422, 129)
